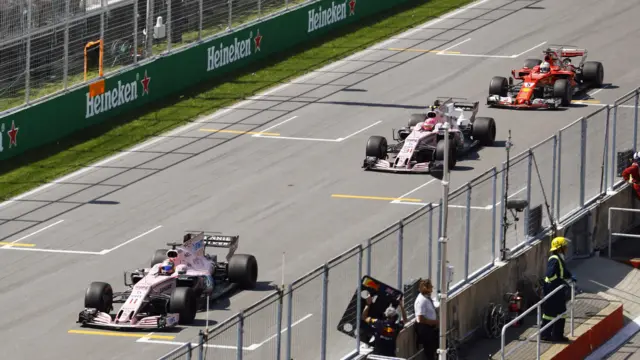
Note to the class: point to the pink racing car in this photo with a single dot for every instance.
(174, 288)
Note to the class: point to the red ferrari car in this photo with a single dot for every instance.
(548, 83)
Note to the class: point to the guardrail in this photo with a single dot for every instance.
(559, 183)
(612, 234)
(538, 306)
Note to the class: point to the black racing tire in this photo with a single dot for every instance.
(99, 295)
(531, 63)
(484, 130)
(184, 302)
(159, 256)
(593, 73)
(377, 147)
(243, 270)
(562, 89)
(416, 119)
(439, 154)
(499, 86)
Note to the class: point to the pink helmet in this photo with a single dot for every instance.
(429, 124)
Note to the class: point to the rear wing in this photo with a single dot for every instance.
(467, 106)
(216, 240)
(567, 50)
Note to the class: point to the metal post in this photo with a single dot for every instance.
(325, 289)
(102, 12)
(259, 9)
(190, 350)
(635, 122)
(442, 351)
(559, 183)
(149, 30)
(539, 320)
(553, 178)
(201, 346)
(358, 303)
(609, 230)
(168, 22)
(438, 272)
(65, 61)
(605, 156)
(240, 333)
(289, 320)
(467, 234)
(430, 251)
(200, 12)
(27, 72)
(279, 322)
(493, 216)
(527, 210)
(612, 171)
(369, 257)
(135, 31)
(230, 2)
(400, 239)
(583, 157)
(503, 236)
(573, 299)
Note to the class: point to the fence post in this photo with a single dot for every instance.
(467, 234)
(369, 257)
(605, 164)
(503, 240)
(289, 320)
(168, 22)
(493, 215)
(358, 303)
(279, 322)
(527, 210)
(27, 72)
(65, 62)
(635, 121)
(559, 183)
(439, 245)
(102, 12)
(200, 14)
(430, 251)
(201, 346)
(240, 335)
(583, 157)
(612, 171)
(149, 30)
(400, 240)
(553, 179)
(135, 31)
(230, 2)
(325, 289)
(190, 350)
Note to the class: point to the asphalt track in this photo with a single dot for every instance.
(276, 190)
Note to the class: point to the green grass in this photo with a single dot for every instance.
(37, 167)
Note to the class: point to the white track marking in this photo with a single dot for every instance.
(508, 197)
(453, 46)
(478, 55)
(104, 252)
(358, 132)
(593, 92)
(399, 200)
(240, 104)
(438, 204)
(526, 51)
(296, 138)
(55, 251)
(33, 233)
(276, 125)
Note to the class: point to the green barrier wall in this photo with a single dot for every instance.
(51, 120)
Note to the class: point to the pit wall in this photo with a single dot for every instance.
(158, 78)
(466, 306)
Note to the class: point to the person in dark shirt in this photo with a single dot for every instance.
(556, 275)
(385, 330)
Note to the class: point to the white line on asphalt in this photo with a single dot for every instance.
(238, 105)
(54, 251)
(255, 346)
(508, 197)
(399, 199)
(526, 51)
(358, 132)
(593, 92)
(453, 46)
(33, 233)
(478, 55)
(295, 138)
(276, 125)
(103, 252)
(438, 204)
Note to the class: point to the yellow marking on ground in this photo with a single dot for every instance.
(373, 198)
(16, 244)
(586, 101)
(425, 51)
(241, 132)
(106, 333)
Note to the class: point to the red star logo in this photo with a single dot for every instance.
(145, 83)
(352, 7)
(257, 40)
(13, 133)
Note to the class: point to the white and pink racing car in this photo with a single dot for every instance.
(420, 145)
(174, 288)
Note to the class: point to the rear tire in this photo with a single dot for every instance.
(243, 270)
(377, 147)
(184, 302)
(484, 130)
(531, 63)
(499, 86)
(99, 296)
(562, 89)
(416, 119)
(593, 73)
(159, 256)
(452, 153)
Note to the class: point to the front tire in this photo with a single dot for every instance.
(158, 257)
(184, 302)
(562, 89)
(499, 86)
(440, 149)
(99, 296)
(377, 147)
(416, 119)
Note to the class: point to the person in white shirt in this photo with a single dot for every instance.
(426, 320)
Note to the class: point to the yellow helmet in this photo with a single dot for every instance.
(558, 243)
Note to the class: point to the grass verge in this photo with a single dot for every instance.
(42, 165)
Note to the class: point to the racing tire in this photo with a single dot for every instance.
(484, 130)
(416, 119)
(439, 154)
(159, 256)
(377, 147)
(531, 63)
(562, 89)
(184, 302)
(99, 296)
(593, 73)
(243, 270)
(499, 86)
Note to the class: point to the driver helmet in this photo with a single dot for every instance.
(429, 124)
(544, 67)
(167, 267)
(636, 157)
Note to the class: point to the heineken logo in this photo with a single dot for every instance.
(221, 55)
(118, 95)
(320, 18)
(11, 133)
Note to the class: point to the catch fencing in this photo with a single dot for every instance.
(46, 45)
(317, 316)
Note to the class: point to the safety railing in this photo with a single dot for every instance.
(609, 226)
(538, 333)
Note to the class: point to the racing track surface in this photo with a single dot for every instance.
(276, 192)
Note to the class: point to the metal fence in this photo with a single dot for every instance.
(315, 316)
(43, 42)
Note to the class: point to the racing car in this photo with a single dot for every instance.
(420, 145)
(547, 88)
(157, 299)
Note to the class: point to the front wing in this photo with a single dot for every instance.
(94, 318)
(375, 164)
(509, 102)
